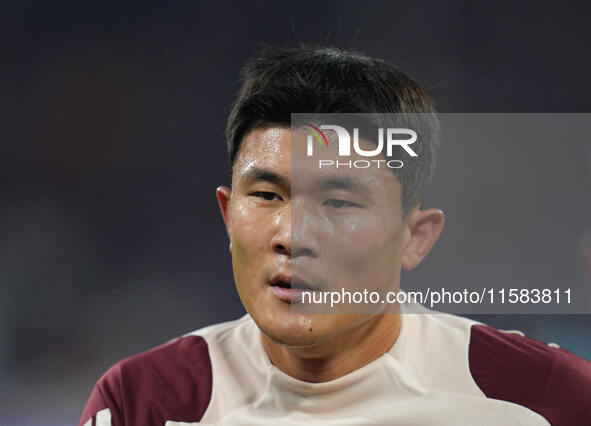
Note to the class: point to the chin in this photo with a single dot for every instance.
(297, 330)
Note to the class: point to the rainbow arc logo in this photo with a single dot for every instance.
(317, 133)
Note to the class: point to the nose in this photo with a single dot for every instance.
(281, 240)
(296, 235)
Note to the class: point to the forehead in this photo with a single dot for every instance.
(276, 150)
(264, 146)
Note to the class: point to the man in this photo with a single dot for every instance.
(277, 366)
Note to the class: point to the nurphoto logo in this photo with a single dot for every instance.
(386, 137)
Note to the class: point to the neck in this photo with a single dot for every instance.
(339, 355)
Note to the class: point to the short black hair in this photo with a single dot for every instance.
(278, 81)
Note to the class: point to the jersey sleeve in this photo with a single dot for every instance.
(103, 406)
(170, 382)
(548, 380)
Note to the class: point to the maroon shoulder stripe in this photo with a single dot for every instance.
(550, 381)
(170, 382)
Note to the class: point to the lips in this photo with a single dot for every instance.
(288, 288)
(282, 280)
(286, 281)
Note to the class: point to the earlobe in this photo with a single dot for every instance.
(425, 228)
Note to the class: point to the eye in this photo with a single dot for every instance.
(339, 204)
(265, 195)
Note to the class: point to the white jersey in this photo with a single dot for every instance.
(442, 370)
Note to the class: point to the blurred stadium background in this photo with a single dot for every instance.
(112, 145)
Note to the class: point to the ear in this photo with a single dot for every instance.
(224, 194)
(425, 228)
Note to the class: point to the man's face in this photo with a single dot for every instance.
(330, 229)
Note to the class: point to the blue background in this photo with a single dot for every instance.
(112, 144)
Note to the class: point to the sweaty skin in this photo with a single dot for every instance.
(258, 211)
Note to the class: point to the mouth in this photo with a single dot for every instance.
(289, 289)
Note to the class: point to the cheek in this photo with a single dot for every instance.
(370, 256)
(246, 225)
(364, 238)
(249, 234)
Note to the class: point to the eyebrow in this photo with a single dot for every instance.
(257, 174)
(346, 183)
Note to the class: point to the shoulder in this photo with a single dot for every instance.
(173, 380)
(444, 366)
(475, 359)
(548, 380)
